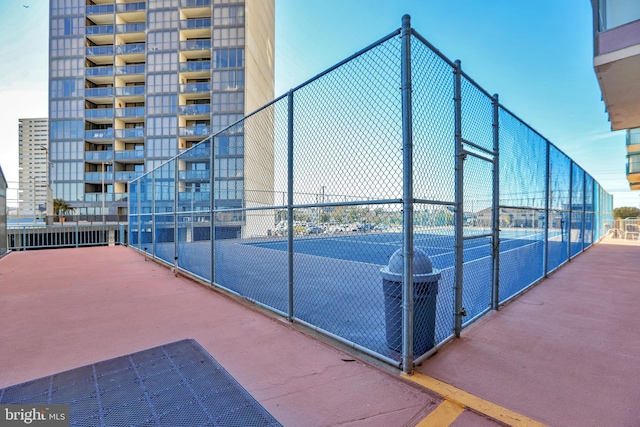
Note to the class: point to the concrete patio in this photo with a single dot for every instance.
(563, 354)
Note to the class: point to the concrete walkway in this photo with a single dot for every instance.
(65, 308)
(566, 353)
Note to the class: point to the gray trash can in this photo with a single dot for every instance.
(425, 290)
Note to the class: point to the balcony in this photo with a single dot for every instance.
(98, 92)
(99, 115)
(196, 49)
(131, 52)
(195, 90)
(97, 177)
(124, 155)
(134, 27)
(131, 7)
(191, 45)
(130, 91)
(100, 9)
(98, 156)
(194, 3)
(95, 30)
(195, 28)
(190, 66)
(99, 71)
(194, 196)
(130, 112)
(200, 131)
(135, 133)
(98, 134)
(92, 51)
(194, 110)
(108, 197)
(127, 176)
(193, 175)
(129, 69)
(197, 23)
(617, 61)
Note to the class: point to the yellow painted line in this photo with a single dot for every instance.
(464, 399)
(442, 416)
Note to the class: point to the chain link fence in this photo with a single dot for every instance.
(388, 202)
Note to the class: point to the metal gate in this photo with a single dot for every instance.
(476, 201)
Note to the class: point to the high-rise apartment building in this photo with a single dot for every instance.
(133, 83)
(33, 176)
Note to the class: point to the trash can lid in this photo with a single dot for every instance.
(421, 262)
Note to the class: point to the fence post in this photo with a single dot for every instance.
(212, 201)
(495, 279)
(153, 213)
(459, 200)
(547, 200)
(176, 195)
(584, 206)
(290, 201)
(407, 199)
(571, 165)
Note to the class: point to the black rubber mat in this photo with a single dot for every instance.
(174, 385)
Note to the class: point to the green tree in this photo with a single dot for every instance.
(626, 212)
(60, 207)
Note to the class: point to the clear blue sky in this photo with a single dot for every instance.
(536, 54)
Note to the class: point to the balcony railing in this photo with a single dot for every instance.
(131, 7)
(129, 133)
(94, 30)
(98, 113)
(193, 175)
(99, 71)
(108, 197)
(195, 66)
(194, 196)
(195, 45)
(134, 27)
(195, 88)
(197, 152)
(194, 109)
(98, 176)
(129, 112)
(99, 9)
(195, 3)
(195, 131)
(99, 50)
(98, 92)
(196, 23)
(130, 48)
(130, 69)
(128, 175)
(98, 155)
(98, 133)
(129, 90)
(130, 155)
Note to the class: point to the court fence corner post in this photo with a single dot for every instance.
(495, 211)
(459, 200)
(290, 312)
(407, 199)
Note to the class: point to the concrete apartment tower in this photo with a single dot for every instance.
(134, 83)
(33, 161)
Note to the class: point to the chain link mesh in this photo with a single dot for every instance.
(338, 247)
